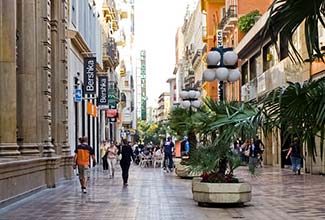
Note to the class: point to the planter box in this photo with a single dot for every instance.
(222, 193)
(182, 172)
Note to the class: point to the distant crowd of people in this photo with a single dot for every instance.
(250, 152)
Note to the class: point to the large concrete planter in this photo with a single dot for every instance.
(183, 172)
(221, 193)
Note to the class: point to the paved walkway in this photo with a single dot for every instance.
(153, 194)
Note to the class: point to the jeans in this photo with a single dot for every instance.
(295, 161)
(169, 157)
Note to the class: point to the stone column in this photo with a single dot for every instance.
(43, 77)
(26, 78)
(59, 23)
(64, 9)
(102, 125)
(59, 84)
(8, 118)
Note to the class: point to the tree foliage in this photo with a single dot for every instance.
(220, 124)
(286, 16)
(299, 110)
(151, 132)
(246, 22)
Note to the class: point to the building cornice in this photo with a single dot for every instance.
(81, 46)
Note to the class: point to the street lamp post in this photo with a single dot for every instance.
(190, 98)
(221, 65)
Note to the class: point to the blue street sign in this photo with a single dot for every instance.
(77, 95)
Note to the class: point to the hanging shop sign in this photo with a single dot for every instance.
(111, 113)
(90, 75)
(102, 90)
(77, 95)
(219, 38)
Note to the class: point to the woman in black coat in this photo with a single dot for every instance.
(127, 156)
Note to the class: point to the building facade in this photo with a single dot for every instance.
(141, 90)
(34, 145)
(263, 69)
(126, 69)
(163, 107)
(172, 92)
(212, 10)
(60, 60)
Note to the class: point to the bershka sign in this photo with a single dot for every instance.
(90, 75)
(103, 90)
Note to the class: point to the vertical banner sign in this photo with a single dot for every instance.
(90, 75)
(103, 90)
(219, 38)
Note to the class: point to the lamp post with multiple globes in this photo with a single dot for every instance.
(190, 98)
(221, 65)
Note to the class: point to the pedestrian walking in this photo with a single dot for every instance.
(254, 152)
(295, 156)
(125, 162)
(185, 147)
(103, 153)
(168, 154)
(111, 158)
(258, 142)
(82, 156)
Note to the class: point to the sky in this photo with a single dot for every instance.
(156, 23)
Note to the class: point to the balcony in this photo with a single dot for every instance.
(204, 34)
(198, 54)
(230, 19)
(249, 91)
(123, 14)
(189, 81)
(196, 57)
(108, 12)
(274, 77)
(110, 54)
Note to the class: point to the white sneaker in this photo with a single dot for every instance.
(84, 190)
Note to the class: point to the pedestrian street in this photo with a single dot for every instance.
(153, 194)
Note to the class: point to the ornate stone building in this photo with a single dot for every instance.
(33, 96)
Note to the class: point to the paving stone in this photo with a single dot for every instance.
(155, 195)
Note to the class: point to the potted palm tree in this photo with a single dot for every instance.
(216, 124)
(219, 125)
(182, 124)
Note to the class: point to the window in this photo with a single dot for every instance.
(270, 57)
(284, 50)
(255, 66)
(296, 40)
(244, 71)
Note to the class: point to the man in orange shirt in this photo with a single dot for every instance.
(82, 156)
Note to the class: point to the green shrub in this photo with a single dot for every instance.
(246, 22)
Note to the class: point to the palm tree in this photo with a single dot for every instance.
(299, 110)
(285, 17)
(181, 122)
(221, 124)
